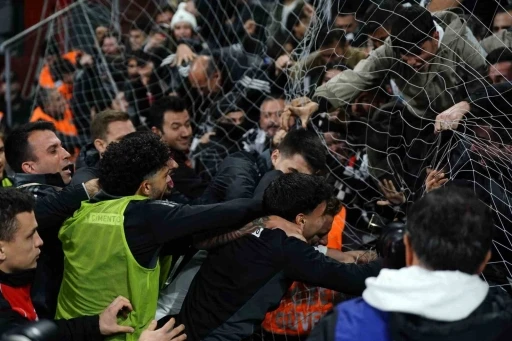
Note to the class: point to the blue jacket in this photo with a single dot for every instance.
(356, 320)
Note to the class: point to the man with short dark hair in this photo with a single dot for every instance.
(243, 279)
(42, 167)
(239, 174)
(106, 127)
(439, 295)
(169, 119)
(35, 154)
(19, 252)
(500, 65)
(134, 176)
(502, 20)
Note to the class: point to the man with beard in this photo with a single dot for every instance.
(170, 120)
(259, 139)
(112, 244)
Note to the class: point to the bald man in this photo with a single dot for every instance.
(205, 76)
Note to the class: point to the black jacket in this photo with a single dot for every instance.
(242, 280)
(87, 165)
(12, 303)
(53, 206)
(237, 177)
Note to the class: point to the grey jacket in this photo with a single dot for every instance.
(457, 68)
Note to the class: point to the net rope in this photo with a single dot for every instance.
(478, 153)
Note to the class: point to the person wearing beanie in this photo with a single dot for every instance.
(183, 23)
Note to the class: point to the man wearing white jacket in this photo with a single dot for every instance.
(439, 295)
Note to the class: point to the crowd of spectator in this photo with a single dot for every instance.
(265, 170)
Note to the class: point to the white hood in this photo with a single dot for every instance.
(437, 295)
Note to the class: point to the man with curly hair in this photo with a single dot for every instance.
(113, 243)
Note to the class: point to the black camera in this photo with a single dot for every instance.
(43, 330)
(390, 245)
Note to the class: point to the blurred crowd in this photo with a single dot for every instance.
(239, 169)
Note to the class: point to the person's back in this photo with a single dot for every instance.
(240, 281)
(111, 273)
(439, 295)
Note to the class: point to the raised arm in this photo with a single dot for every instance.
(170, 221)
(346, 86)
(305, 264)
(52, 210)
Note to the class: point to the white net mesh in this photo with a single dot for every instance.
(379, 114)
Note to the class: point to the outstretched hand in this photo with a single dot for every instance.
(435, 179)
(166, 333)
(390, 193)
(302, 108)
(451, 117)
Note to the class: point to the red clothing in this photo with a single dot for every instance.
(19, 300)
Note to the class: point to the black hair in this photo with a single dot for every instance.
(333, 207)
(295, 193)
(502, 54)
(17, 148)
(127, 163)
(330, 37)
(307, 144)
(378, 15)
(161, 106)
(504, 9)
(13, 202)
(141, 25)
(450, 229)
(60, 68)
(412, 26)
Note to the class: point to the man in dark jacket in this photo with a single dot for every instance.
(239, 175)
(170, 120)
(43, 168)
(19, 253)
(242, 280)
(106, 127)
(439, 295)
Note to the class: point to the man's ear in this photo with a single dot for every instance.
(28, 167)
(274, 156)
(435, 35)
(3, 256)
(100, 145)
(484, 263)
(300, 220)
(144, 189)
(156, 131)
(409, 253)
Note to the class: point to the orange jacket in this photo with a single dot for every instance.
(65, 126)
(46, 79)
(303, 305)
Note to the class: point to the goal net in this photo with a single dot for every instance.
(378, 107)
